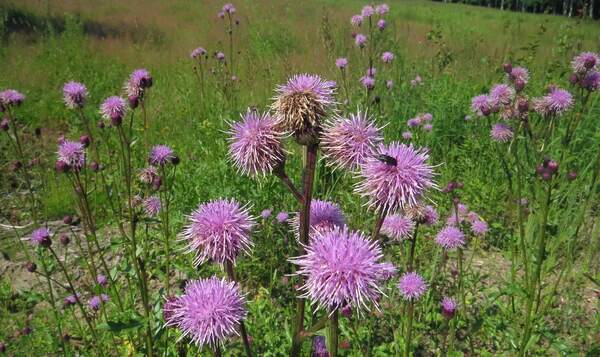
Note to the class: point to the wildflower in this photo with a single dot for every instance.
(113, 109)
(266, 213)
(319, 347)
(324, 215)
(96, 301)
(519, 74)
(5, 124)
(160, 155)
(220, 56)
(382, 9)
(381, 24)
(218, 230)
(148, 175)
(229, 8)
(255, 144)
(341, 63)
(479, 227)
(427, 117)
(407, 135)
(501, 94)
(138, 82)
(428, 127)
(367, 11)
(152, 206)
(70, 300)
(412, 286)
(481, 105)
(559, 101)
(414, 122)
(282, 217)
(74, 95)
(171, 303)
(430, 215)
(71, 154)
(591, 81)
(417, 81)
(398, 181)
(342, 268)
(585, 62)
(209, 311)
(10, 98)
(198, 53)
(389, 84)
(397, 227)
(501, 133)
(347, 142)
(102, 280)
(449, 306)
(302, 103)
(450, 237)
(387, 57)
(360, 40)
(356, 20)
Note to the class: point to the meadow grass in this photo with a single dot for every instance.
(457, 49)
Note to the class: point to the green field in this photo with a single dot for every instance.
(458, 51)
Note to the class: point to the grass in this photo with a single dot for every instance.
(457, 49)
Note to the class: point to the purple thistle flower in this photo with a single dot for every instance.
(397, 227)
(113, 108)
(102, 280)
(70, 300)
(389, 84)
(255, 144)
(519, 74)
(71, 153)
(319, 347)
(450, 238)
(74, 95)
(356, 20)
(559, 101)
(418, 80)
(198, 53)
(481, 105)
(138, 82)
(501, 133)
(449, 306)
(342, 268)
(427, 117)
(148, 175)
(160, 155)
(168, 311)
(412, 286)
(266, 213)
(367, 11)
(502, 94)
(387, 57)
(218, 230)
(303, 102)
(220, 56)
(371, 72)
(324, 215)
(428, 127)
(382, 9)
(381, 24)
(221, 15)
(591, 81)
(394, 185)
(41, 237)
(282, 217)
(360, 40)
(407, 135)
(96, 301)
(341, 63)
(347, 142)
(585, 61)
(152, 206)
(10, 98)
(229, 8)
(368, 82)
(479, 227)
(209, 311)
(431, 215)
(414, 122)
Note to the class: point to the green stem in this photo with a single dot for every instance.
(411, 310)
(228, 265)
(333, 334)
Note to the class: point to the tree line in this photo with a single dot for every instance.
(571, 8)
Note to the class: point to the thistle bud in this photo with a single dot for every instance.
(67, 219)
(572, 175)
(573, 79)
(523, 106)
(519, 85)
(94, 166)
(507, 67)
(134, 101)
(65, 240)
(84, 140)
(4, 124)
(101, 124)
(31, 267)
